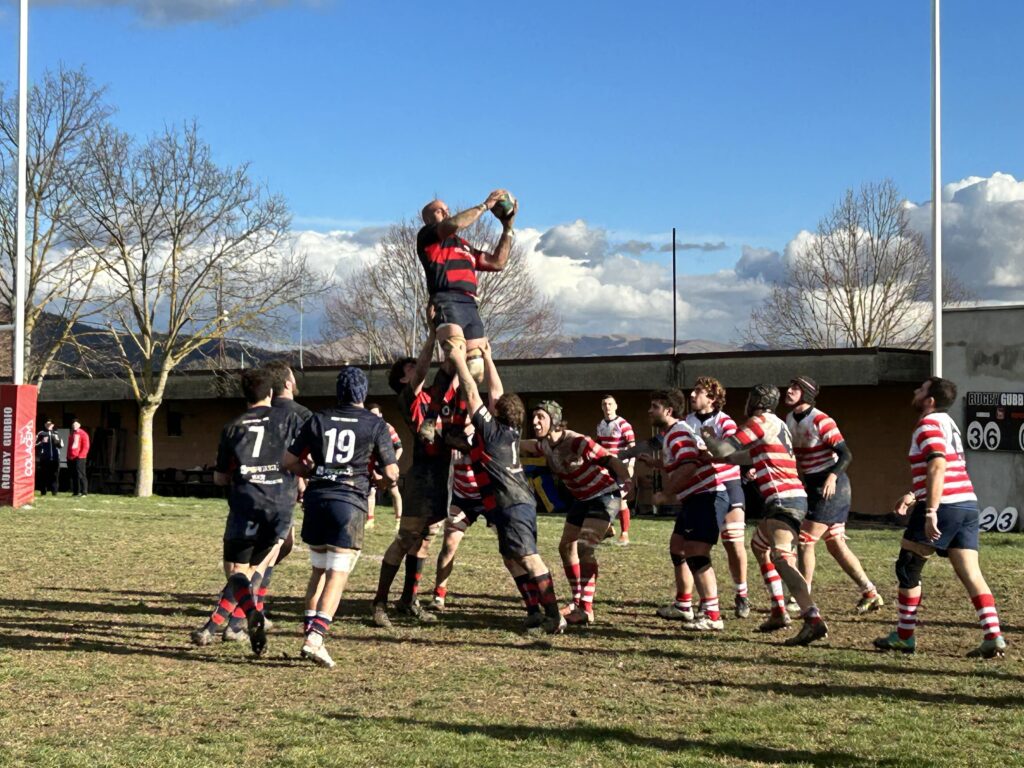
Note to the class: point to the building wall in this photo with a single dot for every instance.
(983, 351)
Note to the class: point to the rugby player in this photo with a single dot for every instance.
(333, 451)
(822, 457)
(261, 503)
(707, 399)
(396, 495)
(663, 410)
(597, 481)
(943, 519)
(615, 434)
(505, 493)
(451, 265)
(466, 508)
(764, 441)
(427, 483)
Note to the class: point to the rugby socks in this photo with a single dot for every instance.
(710, 607)
(812, 615)
(543, 587)
(985, 605)
(237, 620)
(307, 621)
(256, 585)
(572, 575)
(413, 573)
(528, 589)
(588, 585)
(867, 589)
(907, 607)
(320, 624)
(222, 613)
(741, 589)
(624, 519)
(773, 581)
(684, 601)
(442, 592)
(244, 596)
(264, 587)
(388, 572)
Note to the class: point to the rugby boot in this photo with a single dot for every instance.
(580, 618)
(568, 608)
(775, 622)
(623, 540)
(704, 624)
(202, 636)
(437, 604)
(792, 605)
(534, 620)
(989, 649)
(257, 632)
(380, 616)
(317, 653)
(868, 604)
(554, 625)
(415, 610)
(673, 612)
(742, 607)
(893, 642)
(809, 632)
(235, 635)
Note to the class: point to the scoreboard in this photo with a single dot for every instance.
(995, 421)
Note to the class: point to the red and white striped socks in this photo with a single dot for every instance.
(907, 607)
(710, 607)
(773, 581)
(985, 606)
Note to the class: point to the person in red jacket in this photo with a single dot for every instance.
(78, 450)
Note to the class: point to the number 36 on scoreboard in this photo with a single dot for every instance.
(995, 421)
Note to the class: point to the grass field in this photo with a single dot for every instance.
(97, 598)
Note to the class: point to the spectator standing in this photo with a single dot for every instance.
(78, 451)
(48, 445)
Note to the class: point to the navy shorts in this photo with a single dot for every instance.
(454, 308)
(604, 507)
(698, 516)
(427, 493)
(517, 530)
(958, 526)
(827, 511)
(473, 509)
(791, 511)
(248, 537)
(735, 490)
(332, 522)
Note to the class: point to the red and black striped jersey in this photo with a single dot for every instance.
(614, 434)
(450, 264)
(771, 449)
(937, 435)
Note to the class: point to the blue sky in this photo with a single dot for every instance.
(738, 122)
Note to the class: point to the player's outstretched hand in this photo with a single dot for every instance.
(494, 197)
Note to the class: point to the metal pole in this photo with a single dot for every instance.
(936, 193)
(300, 334)
(20, 268)
(674, 334)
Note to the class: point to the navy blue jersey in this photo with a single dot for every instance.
(290, 405)
(342, 441)
(251, 449)
(495, 457)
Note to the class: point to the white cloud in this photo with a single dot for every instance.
(179, 11)
(982, 234)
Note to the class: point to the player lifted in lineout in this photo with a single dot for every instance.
(334, 450)
(823, 457)
(451, 265)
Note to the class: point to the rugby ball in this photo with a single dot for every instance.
(505, 207)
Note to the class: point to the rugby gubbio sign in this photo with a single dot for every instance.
(17, 444)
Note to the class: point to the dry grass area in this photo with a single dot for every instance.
(97, 597)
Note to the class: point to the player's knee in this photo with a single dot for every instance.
(808, 539)
(835, 535)
(909, 566)
(733, 533)
(590, 537)
(342, 562)
(678, 558)
(759, 545)
(698, 563)
(780, 556)
(407, 540)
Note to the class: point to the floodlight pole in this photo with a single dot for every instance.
(674, 326)
(19, 261)
(936, 194)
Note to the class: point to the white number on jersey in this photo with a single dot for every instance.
(259, 430)
(340, 447)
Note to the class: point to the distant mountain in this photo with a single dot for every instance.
(621, 344)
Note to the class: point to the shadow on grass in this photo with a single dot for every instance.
(602, 735)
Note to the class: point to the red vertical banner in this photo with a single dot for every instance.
(17, 444)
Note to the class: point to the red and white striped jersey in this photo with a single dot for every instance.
(615, 435)
(683, 446)
(574, 461)
(771, 447)
(938, 435)
(463, 478)
(814, 437)
(724, 427)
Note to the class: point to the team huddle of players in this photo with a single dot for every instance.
(466, 465)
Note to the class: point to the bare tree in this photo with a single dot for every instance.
(377, 311)
(191, 252)
(65, 108)
(863, 280)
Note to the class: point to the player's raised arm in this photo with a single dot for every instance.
(419, 375)
(495, 389)
(462, 219)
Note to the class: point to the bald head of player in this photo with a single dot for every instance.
(435, 211)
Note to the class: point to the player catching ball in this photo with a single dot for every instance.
(451, 264)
